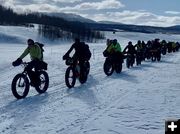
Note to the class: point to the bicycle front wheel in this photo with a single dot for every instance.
(20, 86)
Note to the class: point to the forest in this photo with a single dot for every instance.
(50, 27)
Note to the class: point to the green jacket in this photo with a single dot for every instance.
(34, 51)
(173, 45)
(114, 48)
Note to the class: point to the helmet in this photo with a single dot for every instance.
(163, 41)
(77, 40)
(30, 42)
(115, 41)
(129, 43)
(149, 42)
(108, 40)
(139, 42)
(111, 41)
(157, 39)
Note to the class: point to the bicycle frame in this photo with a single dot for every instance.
(24, 65)
(75, 66)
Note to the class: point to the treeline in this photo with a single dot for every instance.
(53, 33)
(50, 26)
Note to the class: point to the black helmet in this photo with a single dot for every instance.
(30, 42)
(157, 39)
(108, 40)
(77, 40)
(129, 43)
(163, 41)
(149, 42)
(139, 42)
(115, 41)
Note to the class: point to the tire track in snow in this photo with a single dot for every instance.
(57, 98)
(118, 101)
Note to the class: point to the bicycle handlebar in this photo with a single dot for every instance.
(24, 64)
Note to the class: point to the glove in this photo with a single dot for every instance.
(17, 62)
(105, 53)
(65, 57)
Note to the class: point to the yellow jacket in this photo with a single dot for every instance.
(114, 48)
(34, 51)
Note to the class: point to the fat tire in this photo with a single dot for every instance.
(13, 86)
(40, 91)
(118, 68)
(106, 68)
(128, 62)
(68, 84)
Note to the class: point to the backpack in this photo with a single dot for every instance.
(41, 47)
(86, 51)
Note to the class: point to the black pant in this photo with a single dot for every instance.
(33, 74)
(81, 61)
(117, 57)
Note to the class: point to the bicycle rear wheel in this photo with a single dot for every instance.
(44, 82)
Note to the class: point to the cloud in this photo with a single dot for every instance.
(105, 4)
(97, 10)
(67, 1)
(137, 18)
(172, 12)
(35, 7)
(55, 6)
(8, 3)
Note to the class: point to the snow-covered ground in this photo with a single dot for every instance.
(138, 100)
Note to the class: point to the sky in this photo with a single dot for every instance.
(139, 12)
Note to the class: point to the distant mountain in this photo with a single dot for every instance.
(108, 22)
(71, 17)
(75, 24)
(110, 26)
(176, 27)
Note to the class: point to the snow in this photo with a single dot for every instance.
(138, 100)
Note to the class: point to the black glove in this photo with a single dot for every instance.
(17, 62)
(65, 56)
(105, 53)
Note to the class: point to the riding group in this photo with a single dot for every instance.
(139, 52)
(35, 75)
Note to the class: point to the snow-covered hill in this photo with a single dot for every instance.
(17, 34)
(138, 100)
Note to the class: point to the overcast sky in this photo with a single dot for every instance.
(141, 12)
